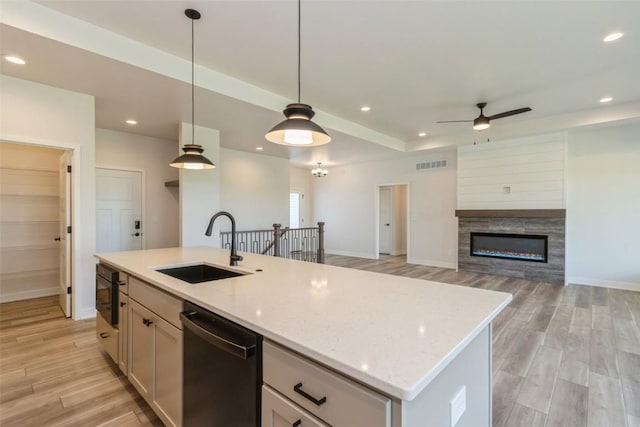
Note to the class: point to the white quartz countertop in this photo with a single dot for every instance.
(392, 333)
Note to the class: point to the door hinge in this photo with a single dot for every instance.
(69, 290)
(69, 168)
(68, 229)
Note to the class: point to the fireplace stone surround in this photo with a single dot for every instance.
(549, 222)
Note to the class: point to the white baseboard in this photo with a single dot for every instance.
(36, 293)
(353, 254)
(432, 263)
(629, 286)
(85, 313)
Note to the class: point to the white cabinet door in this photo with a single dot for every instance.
(141, 349)
(167, 393)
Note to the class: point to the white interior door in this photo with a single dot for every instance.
(385, 221)
(64, 172)
(119, 210)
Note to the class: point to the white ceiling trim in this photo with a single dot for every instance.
(54, 25)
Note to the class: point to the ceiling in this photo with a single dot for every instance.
(413, 62)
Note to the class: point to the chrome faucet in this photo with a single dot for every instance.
(234, 257)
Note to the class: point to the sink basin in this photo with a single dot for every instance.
(199, 273)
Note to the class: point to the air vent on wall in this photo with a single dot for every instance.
(435, 164)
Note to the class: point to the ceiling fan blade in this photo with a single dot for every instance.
(509, 113)
(455, 121)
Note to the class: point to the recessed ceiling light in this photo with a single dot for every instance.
(365, 108)
(131, 122)
(422, 134)
(612, 36)
(259, 148)
(606, 99)
(15, 60)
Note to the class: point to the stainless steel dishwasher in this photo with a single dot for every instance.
(222, 371)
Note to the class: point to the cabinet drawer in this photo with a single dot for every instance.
(161, 303)
(107, 336)
(339, 401)
(278, 411)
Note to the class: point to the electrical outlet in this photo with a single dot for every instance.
(457, 406)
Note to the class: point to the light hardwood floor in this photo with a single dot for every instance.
(563, 356)
(54, 373)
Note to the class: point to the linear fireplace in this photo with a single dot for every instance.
(521, 247)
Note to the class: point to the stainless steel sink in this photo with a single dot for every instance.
(199, 273)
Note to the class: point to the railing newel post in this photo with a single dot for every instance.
(276, 239)
(320, 256)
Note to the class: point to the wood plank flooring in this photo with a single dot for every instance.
(54, 373)
(563, 356)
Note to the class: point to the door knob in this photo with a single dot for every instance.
(387, 225)
(57, 239)
(136, 234)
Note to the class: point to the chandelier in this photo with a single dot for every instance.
(319, 172)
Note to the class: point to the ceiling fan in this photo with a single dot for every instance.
(482, 122)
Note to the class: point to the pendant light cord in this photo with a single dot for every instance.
(193, 103)
(299, 52)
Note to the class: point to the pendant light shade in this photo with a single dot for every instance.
(298, 129)
(192, 157)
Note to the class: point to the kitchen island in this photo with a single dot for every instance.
(423, 348)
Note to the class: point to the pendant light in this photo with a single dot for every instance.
(298, 129)
(192, 157)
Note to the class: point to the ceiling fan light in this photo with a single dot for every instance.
(481, 123)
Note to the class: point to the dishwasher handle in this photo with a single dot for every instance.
(238, 350)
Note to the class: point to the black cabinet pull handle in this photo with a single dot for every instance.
(122, 304)
(298, 389)
(297, 423)
(147, 322)
(104, 335)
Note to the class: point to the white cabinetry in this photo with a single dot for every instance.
(317, 391)
(155, 349)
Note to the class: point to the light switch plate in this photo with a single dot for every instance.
(457, 406)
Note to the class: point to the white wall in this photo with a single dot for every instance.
(199, 189)
(255, 190)
(300, 179)
(527, 173)
(121, 150)
(346, 201)
(46, 116)
(603, 207)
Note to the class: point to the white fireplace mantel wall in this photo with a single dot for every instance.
(528, 173)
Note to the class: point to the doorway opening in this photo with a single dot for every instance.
(392, 228)
(119, 210)
(35, 225)
(296, 218)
